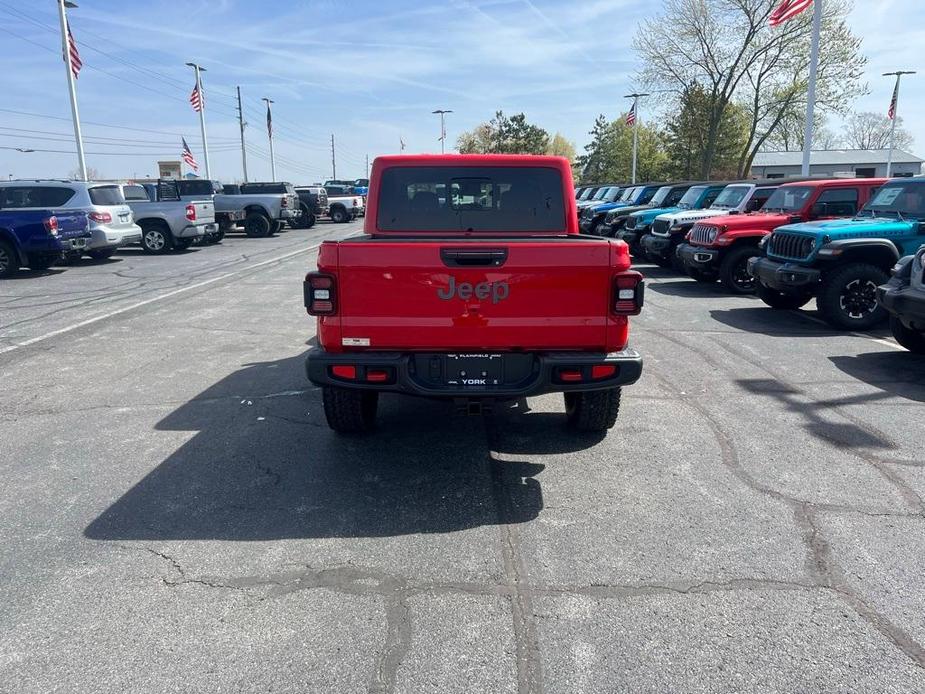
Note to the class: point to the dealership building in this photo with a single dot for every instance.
(864, 163)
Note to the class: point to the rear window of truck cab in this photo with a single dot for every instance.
(471, 199)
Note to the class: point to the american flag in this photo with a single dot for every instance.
(631, 116)
(188, 156)
(788, 9)
(891, 112)
(76, 62)
(196, 98)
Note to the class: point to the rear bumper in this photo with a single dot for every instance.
(106, 237)
(287, 213)
(906, 303)
(699, 257)
(784, 277)
(406, 373)
(196, 230)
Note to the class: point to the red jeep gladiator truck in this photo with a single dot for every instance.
(471, 282)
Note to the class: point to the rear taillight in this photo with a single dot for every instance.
(284, 202)
(191, 213)
(101, 217)
(320, 290)
(629, 290)
(51, 226)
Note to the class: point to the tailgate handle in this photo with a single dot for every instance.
(473, 257)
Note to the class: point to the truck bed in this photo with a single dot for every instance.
(514, 294)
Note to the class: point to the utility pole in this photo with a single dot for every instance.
(894, 115)
(367, 166)
(442, 138)
(242, 124)
(270, 135)
(202, 116)
(71, 87)
(635, 97)
(333, 160)
(811, 91)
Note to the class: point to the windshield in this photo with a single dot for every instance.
(612, 194)
(471, 199)
(788, 199)
(660, 196)
(691, 197)
(900, 200)
(629, 194)
(599, 195)
(587, 193)
(730, 197)
(647, 194)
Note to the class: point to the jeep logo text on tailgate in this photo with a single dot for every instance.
(497, 291)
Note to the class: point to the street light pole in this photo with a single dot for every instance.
(894, 115)
(270, 135)
(71, 88)
(442, 113)
(811, 90)
(202, 116)
(635, 97)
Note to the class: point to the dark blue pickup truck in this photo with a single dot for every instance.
(37, 238)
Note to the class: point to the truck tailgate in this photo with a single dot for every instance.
(205, 211)
(551, 294)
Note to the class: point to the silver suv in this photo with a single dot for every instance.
(111, 222)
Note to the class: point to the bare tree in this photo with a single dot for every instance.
(788, 136)
(870, 130)
(728, 48)
(92, 174)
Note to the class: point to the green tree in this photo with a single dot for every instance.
(504, 135)
(609, 155)
(686, 137)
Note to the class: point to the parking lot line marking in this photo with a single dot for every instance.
(880, 340)
(139, 304)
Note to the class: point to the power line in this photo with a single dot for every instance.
(100, 137)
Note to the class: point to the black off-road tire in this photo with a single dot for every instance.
(733, 270)
(913, 340)
(339, 215)
(593, 411)
(215, 237)
(306, 219)
(848, 297)
(156, 238)
(102, 253)
(40, 263)
(780, 300)
(9, 261)
(348, 410)
(256, 225)
(275, 226)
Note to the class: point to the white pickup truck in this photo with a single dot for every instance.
(343, 204)
(167, 222)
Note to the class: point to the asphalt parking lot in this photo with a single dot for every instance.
(178, 517)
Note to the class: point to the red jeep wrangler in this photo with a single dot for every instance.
(472, 283)
(719, 247)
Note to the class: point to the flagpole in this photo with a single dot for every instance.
(71, 88)
(895, 107)
(811, 91)
(270, 135)
(202, 117)
(635, 97)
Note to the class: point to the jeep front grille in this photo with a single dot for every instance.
(660, 227)
(704, 234)
(784, 244)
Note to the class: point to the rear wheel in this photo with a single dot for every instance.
(8, 262)
(305, 220)
(733, 271)
(848, 297)
(339, 215)
(913, 340)
(102, 253)
(275, 226)
(780, 300)
(593, 410)
(350, 411)
(156, 239)
(256, 225)
(40, 263)
(215, 237)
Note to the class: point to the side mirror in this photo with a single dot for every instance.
(819, 209)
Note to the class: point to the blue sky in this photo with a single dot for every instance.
(370, 72)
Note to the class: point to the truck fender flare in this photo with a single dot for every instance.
(260, 209)
(10, 237)
(881, 252)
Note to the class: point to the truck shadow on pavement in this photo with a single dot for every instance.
(764, 320)
(263, 465)
(894, 373)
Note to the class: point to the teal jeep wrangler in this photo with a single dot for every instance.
(841, 262)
